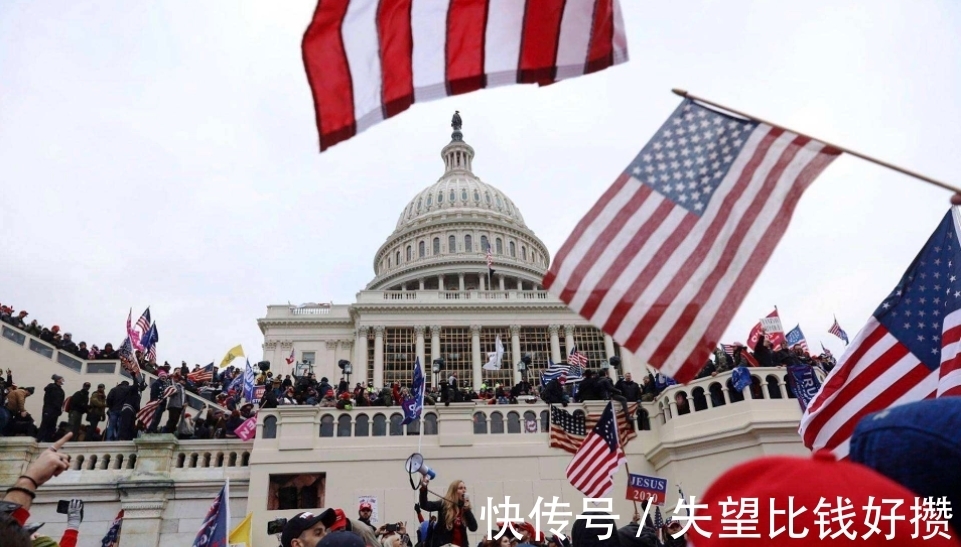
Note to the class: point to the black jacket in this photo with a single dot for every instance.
(630, 389)
(440, 535)
(79, 401)
(269, 400)
(589, 390)
(53, 397)
(582, 536)
(553, 393)
(115, 398)
(763, 354)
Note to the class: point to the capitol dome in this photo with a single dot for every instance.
(447, 228)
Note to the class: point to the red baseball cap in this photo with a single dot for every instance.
(820, 479)
(365, 506)
(334, 519)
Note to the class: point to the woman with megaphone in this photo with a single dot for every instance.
(454, 516)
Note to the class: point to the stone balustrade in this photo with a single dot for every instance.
(436, 296)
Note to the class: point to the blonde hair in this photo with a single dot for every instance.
(451, 508)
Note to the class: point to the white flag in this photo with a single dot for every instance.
(494, 358)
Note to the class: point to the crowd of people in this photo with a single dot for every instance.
(451, 517)
(61, 340)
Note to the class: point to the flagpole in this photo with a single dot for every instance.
(865, 157)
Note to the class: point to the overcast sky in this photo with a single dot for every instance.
(165, 154)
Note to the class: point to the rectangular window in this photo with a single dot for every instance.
(303, 491)
(537, 342)
(16, 337)
(488, 343)
(590, 342)
(308, 357)
(68, 361)
(455, 349)
(400, 349)
(101, 367)
(40, 348)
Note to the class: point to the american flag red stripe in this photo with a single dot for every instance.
(668, 253)
(577, 358)
(144, 322)
(203, 375)
(368, 60)
(146, 412)
(908, 351)
(570, 439)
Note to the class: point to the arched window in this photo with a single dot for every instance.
(453, 196)
(362, 426)
(513, 422)
(326, 425)
(430, 200)
(643, 420)
(396, 427)
(440, 197)
(700, 400)
(773, 390)
(498, 246)
(270, 427)
(343, 425)
(480, 423)
(388, 262)
(484, 244)
(545, 421)
(476, 196)
(436, 246)
(419, 201)
(468, 244)
(510, 246)
(397, 258)
(421, 249)
(487, 197)
(463, 194)
(451, 244)
(409, 253)
(497, 422)
(380, 425)
(523, 252)
(430, 424)
(498, 198)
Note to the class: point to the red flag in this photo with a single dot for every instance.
(368, 60)
(666, 256)
(773, 328)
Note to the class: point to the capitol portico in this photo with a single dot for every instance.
(432, 295)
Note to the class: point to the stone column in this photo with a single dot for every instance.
(609, 352)
(501, 281)
(555, 344)
(360, 354)
(516, 351)
(475, 355)
(481, 281)
(460, 280)
(143, 495)
(440, 282)
(421, 281)
(379, 356)
(434, 346)
(419, 332)
(569, 340)
(520, 284)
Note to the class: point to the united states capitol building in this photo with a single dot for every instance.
(430, 297)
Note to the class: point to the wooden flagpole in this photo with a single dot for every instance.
(865, 157)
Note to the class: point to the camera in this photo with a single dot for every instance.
(276, 526)
(264, 366)
(392, 527)
(63, 506)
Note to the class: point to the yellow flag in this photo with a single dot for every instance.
(234, 353)
(241, 534)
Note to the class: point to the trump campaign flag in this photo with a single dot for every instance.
(415, 404)
(215, 528)
(909, 350)
(666, 256)
(368, 60)
(796, 338)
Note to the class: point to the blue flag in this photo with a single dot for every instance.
(741, 378)
(796, 337)
(415, 404)
(803, 383)
(249, 379)
(215, 528)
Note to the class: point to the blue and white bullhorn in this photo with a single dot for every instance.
(415, 464)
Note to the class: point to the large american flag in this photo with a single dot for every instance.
(598, 458)
(836, 330)
(368, 60)
(666, 256)
(144, 322)
(909, 350)
(568, 429)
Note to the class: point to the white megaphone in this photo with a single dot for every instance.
(415, 464)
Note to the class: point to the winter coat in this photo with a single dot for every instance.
(630, 389)
(582, 536)
(53, 397)
(98, 405)
(79, 401)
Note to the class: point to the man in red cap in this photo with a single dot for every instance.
(365, 511)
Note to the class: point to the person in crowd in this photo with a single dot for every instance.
(82, 351)
(78, 404)
(185, 429)
(638, 534)
(157, 389)
(454, 515)
(583, 535)
(97, 409)
(108, 353)
(115, 400)
(629, 388)
(554, 394)
(175, 403)
(364, 513)
(19, 421)
(230, 427)
(673, 528)
(589, 389)
(131, 404)
(763, 353)
(53, 397)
